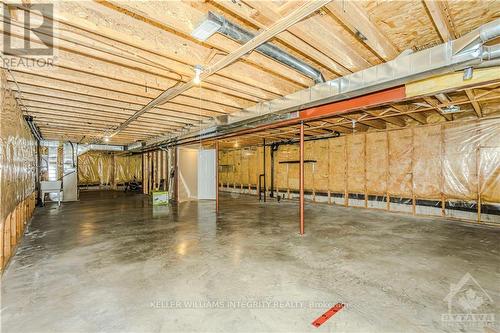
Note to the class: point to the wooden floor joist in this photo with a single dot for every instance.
(115, 66)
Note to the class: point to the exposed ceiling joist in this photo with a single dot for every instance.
(475, 104)
(358, 22)
(432, 103)
(304, 46)
(440, 19)
(259, 39)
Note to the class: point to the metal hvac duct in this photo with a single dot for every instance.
(467, 51)
(216, 23)
(437, 60)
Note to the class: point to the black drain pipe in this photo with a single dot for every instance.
(264, 150)
(274, 147)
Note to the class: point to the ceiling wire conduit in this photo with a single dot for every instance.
(465, 52)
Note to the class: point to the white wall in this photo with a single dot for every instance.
(188, 174)
(206, 174)
(196, 178)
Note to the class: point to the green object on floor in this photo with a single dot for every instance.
(160, 198)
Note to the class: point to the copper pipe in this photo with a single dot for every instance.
(217, 176)
(301, 178)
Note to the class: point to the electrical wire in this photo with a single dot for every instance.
(19, 100)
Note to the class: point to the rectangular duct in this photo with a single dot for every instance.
(467, 51)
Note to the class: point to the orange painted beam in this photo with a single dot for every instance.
(324, 111)
(356, 103)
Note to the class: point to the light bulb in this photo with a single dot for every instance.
(106, 139)
(197, 74)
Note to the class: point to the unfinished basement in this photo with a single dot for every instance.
(250, 166)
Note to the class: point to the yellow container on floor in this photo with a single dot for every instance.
(160, 198)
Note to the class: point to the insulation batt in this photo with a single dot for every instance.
(457, 160)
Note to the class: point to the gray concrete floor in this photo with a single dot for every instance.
(114, 263)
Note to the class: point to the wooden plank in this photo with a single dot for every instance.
(13, 228)
(114, 84)
(305, 47)
(475, 104)
(451, 81)
(322, 30)
(440, 19)
(77, 58)
(438, 110)
(102, 98)
(2, 256)
(406, 109)
(357, 20)
(126, 35)
(181, 18)
(7, 238)
(261, 38)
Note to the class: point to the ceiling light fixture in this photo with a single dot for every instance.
(197, 74)
(106, 138)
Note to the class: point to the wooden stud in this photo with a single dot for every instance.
(2, 255)
(7, 238)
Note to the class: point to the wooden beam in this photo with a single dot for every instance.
(358, 22)
(43, 120)
(82, 81)
(131, 35)
(318, 31)
(261, 38)
(436, 107)
(70, 113)
(359, 119)
(452, 81)
(79, 69)
(98, 109)
(305, 46)
(406, 110)
(67, 92)
(392, 120)
(75, 54)
(475, 104)
(93, 89)
(180, 18)
(440, 19)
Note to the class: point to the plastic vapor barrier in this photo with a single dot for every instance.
(105, 168)
(127, 167)
(17, 153)
(17, 173)
(443, 166)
